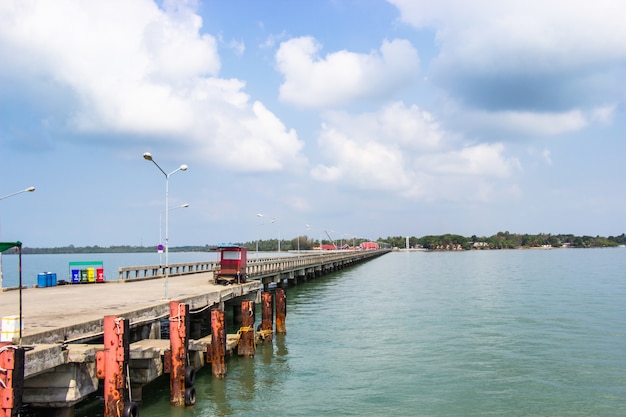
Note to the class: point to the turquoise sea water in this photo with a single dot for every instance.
(481, 333)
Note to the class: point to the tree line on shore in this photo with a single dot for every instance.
(501, 240)
(506, 240)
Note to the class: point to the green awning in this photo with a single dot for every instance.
(8, 245)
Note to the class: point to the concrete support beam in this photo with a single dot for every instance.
(63, 386)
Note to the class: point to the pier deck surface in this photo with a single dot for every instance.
(45, 309)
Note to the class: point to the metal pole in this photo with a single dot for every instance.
(148, 157)
(167, 269)
(160, 224)
(27, 190)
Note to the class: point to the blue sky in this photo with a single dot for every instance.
(368, 118)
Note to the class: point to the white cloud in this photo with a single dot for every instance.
(133, 68)
(238, 47)
(418, 160)
(342, 77)
(524, 59)
(562, 33)
(604, 114)
(528, 123)
(272, 40)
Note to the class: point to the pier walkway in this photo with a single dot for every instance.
(62, 325)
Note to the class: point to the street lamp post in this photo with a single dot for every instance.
(307, 228)
(257, 240)
(26, 190)
(148, 157)
(160, 222)
(273, 220)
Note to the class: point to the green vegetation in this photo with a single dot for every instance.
(501, 240)
(506, 240)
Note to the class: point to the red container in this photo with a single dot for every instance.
(99, 274)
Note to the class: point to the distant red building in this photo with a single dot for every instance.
(369, 245)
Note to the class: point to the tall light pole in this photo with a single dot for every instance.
(307, 228)
(257, 240)
(273, 220)
(26, 190)
(148, 157)
(160, 222)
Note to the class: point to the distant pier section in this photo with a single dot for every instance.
(265, 269)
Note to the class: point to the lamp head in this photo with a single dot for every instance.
(147, 156)
(183, 167)
(185, 205)
(30, 189)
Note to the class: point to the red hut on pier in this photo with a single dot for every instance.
(233, 262)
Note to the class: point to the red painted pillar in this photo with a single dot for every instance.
(281, 311)
(267, 316)
(11, 379)
(218, 343)
(246, 337)
(182, 375)
(112, 366)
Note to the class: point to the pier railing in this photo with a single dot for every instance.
(256, 267)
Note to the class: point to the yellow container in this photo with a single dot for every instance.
(10, 328)
(91, 274)
(8, 336)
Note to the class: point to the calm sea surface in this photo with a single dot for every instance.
(481, 333)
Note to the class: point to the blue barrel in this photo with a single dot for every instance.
(52, 279)
(75, 276)
(42, 280)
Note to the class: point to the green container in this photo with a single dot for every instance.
(83, 276)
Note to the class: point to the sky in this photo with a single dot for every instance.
(360, 118)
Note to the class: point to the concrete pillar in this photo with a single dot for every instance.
(217, 348)
(246, 346)
(281, 311)
(112, 366)
(155, 330)
(267, 317)
(182, 376)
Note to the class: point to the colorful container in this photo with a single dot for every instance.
(10, 328)
(86, 271)
(52, 279)
(91, 274)
(42, 281)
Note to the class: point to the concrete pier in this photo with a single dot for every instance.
(63, 329)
